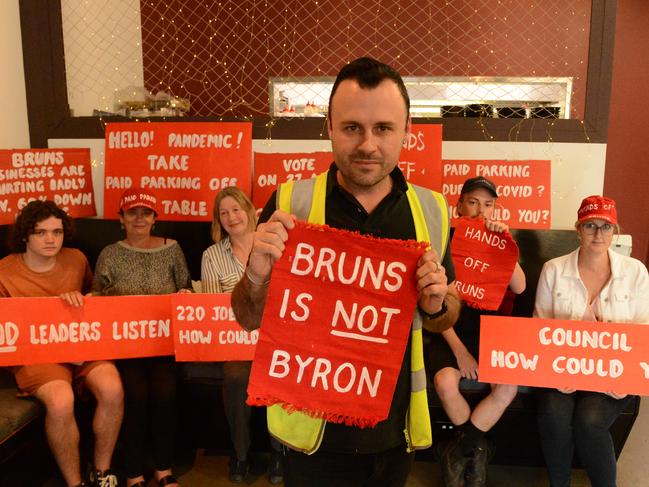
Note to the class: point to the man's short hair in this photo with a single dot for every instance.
(29, 216)
(369, 73)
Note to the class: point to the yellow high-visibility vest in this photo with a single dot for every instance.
(306, 200)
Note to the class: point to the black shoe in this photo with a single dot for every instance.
(453, 463)
(275, 468)
(238, 470)
(476, 470)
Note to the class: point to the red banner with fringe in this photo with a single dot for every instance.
(484, 262)
(336, 325)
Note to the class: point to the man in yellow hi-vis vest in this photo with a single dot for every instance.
(363, 191)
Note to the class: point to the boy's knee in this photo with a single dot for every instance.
(446, 382)
(105, 384)
(58, 398)
(505, 393)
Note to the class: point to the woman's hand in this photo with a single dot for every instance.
(73, 298)
(185, 291)
(566, 390)
(615, 395)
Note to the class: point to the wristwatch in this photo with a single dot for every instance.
(436, 314)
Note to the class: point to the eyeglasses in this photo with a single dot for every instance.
(591, 229)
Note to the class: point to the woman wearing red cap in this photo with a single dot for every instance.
(593, 283)
(144, 264)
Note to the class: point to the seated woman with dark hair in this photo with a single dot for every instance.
(144, 264)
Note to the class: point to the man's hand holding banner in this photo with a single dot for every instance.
(335, 325)
(484, 262)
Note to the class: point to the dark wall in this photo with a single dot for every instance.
(627, 155)
(536, 247)
(92, 235)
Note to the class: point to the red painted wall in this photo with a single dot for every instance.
(627, 156)
(221, 55)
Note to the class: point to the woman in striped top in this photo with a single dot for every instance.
(233, 225)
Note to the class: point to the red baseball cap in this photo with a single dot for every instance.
(599, 207)
(134, 197)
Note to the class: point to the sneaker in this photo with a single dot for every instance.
(275, 468)
(103, 479)
(238, 470)
(453, 463)
(476, 469)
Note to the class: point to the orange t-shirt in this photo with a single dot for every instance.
(70, 273)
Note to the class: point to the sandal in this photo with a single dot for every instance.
(166, 480)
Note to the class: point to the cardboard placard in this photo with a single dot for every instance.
(524, 196)
(47, 330)
(61, 175)
(420, 161)
(273, 169)
(183, 164)
(421, 156)
(205, 329)
(567, 354)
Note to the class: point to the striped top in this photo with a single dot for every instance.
(220, 269)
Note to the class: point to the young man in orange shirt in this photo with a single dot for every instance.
(38, 267)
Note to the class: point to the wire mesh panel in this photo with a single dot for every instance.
(103, 52)
(221, 55)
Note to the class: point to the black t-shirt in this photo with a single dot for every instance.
(390, 219)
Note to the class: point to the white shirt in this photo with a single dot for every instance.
(562, 294)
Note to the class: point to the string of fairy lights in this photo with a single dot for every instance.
(222, 56)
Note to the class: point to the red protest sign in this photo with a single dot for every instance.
(336, 354)
(565, 354)
(273, 169)
(523, 189)
(183, 164)
(46, 330)
(61, 175)
(205, 329)
(421, 156)
(420, 161)
(484, 262)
